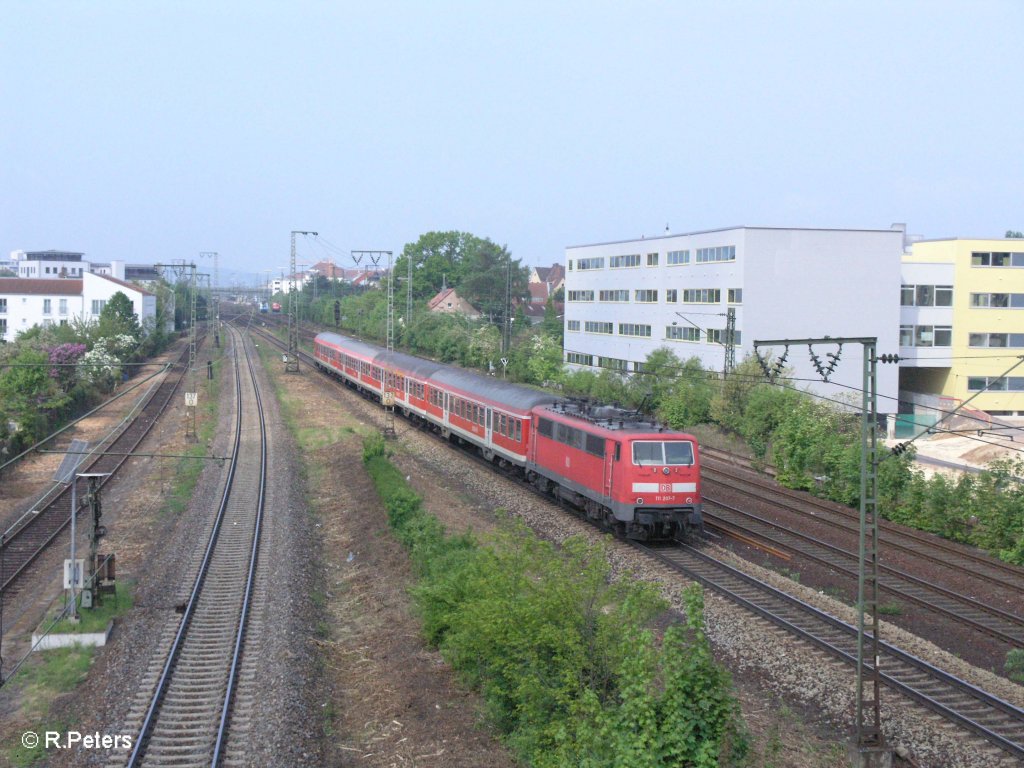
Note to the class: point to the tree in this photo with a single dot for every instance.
(118, 318)
(1014, 233)
(688, 400)
(477, 267)
(552, 324)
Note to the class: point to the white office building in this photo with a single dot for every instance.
(625, 299)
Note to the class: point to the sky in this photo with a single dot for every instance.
(154, 131)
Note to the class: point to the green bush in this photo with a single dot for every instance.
(563, 654)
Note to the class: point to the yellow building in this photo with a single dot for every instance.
(962, 322)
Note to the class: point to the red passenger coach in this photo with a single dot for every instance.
(628, 474)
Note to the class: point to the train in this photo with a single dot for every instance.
(630, 475)
(275, 308)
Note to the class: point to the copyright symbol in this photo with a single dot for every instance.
(29, 740)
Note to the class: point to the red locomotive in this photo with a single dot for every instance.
(631, 475)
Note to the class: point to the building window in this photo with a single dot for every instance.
(926, 336)
(3, 326)
(652, 259)
(634, 329)
(596, 262)
(47, 306)
(717, 336)
(926, 296)
(579, 358)
(622, 295)
(995, 383)
(581, 295)
(722, 253)
(996, 259)
(63, 306)
(594, 326)
(996, 340)
(572, 325)
(97, 305)
(630, 260)
(998, 300)
(702, 295)
(646, 296)
(682, 333)
(3, 306)
(614, 363)
(735, 296)
(671, 295)
(678, 257)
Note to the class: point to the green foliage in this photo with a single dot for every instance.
(552, 324)
(563, 654)
(539, 361)
(729, 405)
(661, 371)
(688, 402)
(477, 267)
(118, 318)
(1014, 665)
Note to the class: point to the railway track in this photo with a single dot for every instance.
(188, 718)
(1002, 625)
(720, 468)
(29, 536)
(955, 700)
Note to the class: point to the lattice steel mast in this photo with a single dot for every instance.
(870, 744)
(291, 362)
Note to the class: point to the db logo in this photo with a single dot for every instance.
(666, 487)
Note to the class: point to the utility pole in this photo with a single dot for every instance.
(191, 395)
(730, 342)
(216, 297)
(291, 362)
(871, 749)
(408, 294)
(506, 325)
(389, 384)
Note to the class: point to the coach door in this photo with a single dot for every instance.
(487, 426)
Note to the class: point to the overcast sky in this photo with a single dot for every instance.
(150, 131)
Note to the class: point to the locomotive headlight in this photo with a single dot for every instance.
(665, 470)
(640, 501)
(689, 499)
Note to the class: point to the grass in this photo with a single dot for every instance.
(96, 619)
(1014, 665)
(890, 609)
(188, 470)
(40, 681)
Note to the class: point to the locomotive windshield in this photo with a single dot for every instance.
(675, 453)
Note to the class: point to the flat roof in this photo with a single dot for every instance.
(954, 239)
(731, 229)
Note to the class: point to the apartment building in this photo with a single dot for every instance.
(25, 302)
(627, 298)
(962, 322)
